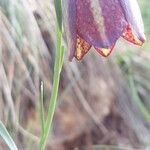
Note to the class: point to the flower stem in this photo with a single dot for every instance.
(59, 57)
(52, 105)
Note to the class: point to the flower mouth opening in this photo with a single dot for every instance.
(82, 46)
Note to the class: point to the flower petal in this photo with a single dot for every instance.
(69, 21)
(82, 47)
(133, 17)
(105, 51)
(130, 36)
(100, 22)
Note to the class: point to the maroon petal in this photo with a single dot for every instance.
(134, 19)
(69, 20)
(105, 51)
(130, 36)
(100, 22)
(82, 47)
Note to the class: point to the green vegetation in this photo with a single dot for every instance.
(27, 52)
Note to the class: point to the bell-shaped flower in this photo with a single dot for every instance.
(100, 23)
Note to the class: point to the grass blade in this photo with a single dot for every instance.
(137, 99)
(6, 137)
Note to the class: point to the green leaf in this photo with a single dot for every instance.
(6, 137)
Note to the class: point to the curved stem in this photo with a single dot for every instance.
(52, 105)
(59, 55)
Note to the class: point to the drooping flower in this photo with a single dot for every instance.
(100, 23)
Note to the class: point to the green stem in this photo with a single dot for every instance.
(59, 55)
(54, 93)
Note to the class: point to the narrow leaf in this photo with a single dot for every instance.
(7, 138)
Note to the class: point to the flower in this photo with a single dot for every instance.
(100, 23)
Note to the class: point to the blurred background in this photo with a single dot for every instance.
(103, 103)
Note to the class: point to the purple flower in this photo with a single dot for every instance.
(100, 23)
